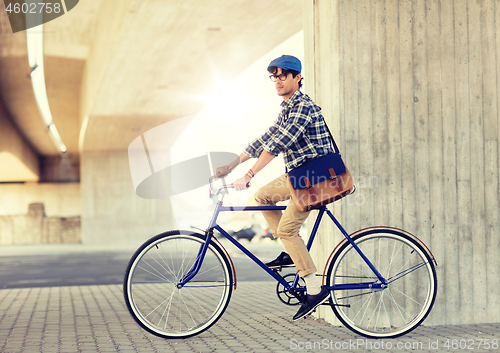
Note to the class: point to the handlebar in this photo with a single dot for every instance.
(216, 190)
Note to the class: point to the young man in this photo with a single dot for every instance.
(300, 134)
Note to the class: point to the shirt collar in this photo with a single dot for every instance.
(290, 101)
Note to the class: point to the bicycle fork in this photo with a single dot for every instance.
(203, 249)
(198, 262)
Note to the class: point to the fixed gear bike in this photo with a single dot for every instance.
(382, 280)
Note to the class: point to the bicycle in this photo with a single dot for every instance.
(382, 280)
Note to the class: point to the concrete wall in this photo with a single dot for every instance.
(37, 213)
(112, 213)
(36, 228)
(104, 205)
(410, 90)
(59, 199)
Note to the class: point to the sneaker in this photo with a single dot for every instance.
(282, 260)
(311, 302)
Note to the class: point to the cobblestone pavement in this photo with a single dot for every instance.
(95, 319)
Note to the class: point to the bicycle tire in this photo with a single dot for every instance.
(412, 284)
(150, 285)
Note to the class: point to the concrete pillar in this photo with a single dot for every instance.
(416, 119)
(111, 211)
(321, 77)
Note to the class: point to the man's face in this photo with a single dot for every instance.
(287, 87)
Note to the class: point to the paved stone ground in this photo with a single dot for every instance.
(95, 319)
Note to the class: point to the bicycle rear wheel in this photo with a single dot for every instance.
(150, 285)
(392, 311)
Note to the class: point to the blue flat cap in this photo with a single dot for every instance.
(286, 62)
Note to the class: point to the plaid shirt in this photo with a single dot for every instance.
(299, 132)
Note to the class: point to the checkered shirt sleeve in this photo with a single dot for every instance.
(299, 133)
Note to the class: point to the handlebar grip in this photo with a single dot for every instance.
(247, 185)
(212, 178)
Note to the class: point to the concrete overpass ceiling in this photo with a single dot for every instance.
(66, 45)
(122, 71)
(169, 55)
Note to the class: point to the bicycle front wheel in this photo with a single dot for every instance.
(403, 304)
(150, 285)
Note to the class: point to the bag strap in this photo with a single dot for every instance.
(333, 141)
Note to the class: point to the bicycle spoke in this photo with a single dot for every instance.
(392, 257)
(395, 309)
(168, 269)
(406, 272)
(180, 312)
(409, 298)
(399, 307)
(154, 310)
(365, 307)
(187, 308)
(207, 270)
(168, 312)
(379, 307)
(166, 307)
(198, 302)
(387, 316)
(159, 275)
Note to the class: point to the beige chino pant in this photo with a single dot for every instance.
(286, 225)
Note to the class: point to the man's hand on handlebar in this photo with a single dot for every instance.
(242, 183)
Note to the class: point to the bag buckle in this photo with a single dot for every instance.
(310, 190)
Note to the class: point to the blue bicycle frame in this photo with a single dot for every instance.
(381, 283)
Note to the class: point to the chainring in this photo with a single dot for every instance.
(284, 295)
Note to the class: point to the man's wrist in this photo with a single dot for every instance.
(250, 173)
